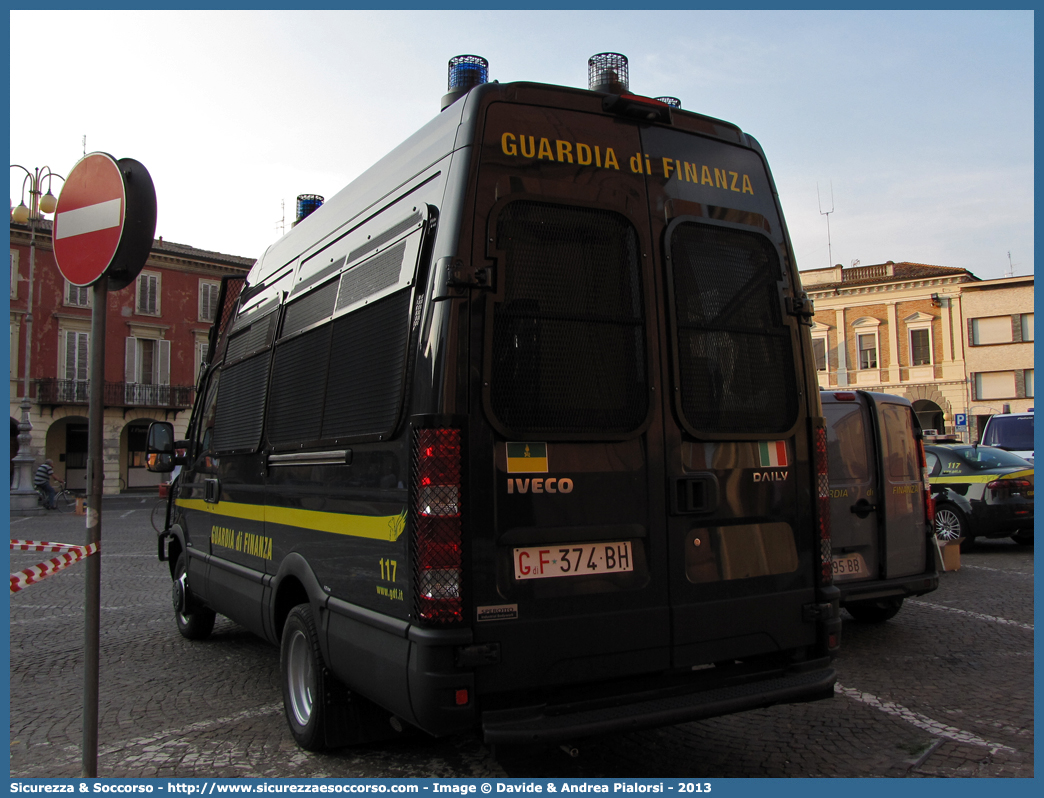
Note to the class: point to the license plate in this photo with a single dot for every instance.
(849, 566)
(580, 559)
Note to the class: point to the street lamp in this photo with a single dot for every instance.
(23, 494)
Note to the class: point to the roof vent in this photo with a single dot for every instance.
(465, 73)
(607, 73)
(674, 102)
(306, 204)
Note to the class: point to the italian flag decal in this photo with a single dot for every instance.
(773, 454)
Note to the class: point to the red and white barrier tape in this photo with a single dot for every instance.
(37, 573)
(41, 545)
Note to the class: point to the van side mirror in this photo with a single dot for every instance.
(159, 447)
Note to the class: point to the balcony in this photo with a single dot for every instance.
(117, 394)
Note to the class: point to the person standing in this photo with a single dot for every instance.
(42, 481)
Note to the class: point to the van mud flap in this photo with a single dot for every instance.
(547, 724)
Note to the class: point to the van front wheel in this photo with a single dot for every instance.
(876, 611)
(195, 622)
(303, 673)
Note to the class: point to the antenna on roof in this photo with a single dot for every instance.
(830, 255)
(1011, 266)
(281, 224)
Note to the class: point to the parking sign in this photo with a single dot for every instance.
(960, 420)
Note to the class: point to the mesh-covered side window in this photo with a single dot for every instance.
(311, 308)
(241, 405)
(249, 340)
(735, 359)
(569, 351)
(367, 366)
(368, 278)
(299, 369)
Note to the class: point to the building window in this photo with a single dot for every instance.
(1029, 383)
(75, 388)
(995, 385)
(1027, 326)
(148, 293)
(201, 357)
(920, 347)
(77, 295)
(819, 349)
(991, 330)
(147, 371)
(868, 351)
(15, 328)
(208, 297)
(14, 274)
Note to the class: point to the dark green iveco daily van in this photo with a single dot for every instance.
(519, 432)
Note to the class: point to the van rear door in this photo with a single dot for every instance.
(742, 543)
(903, 518)
(854, 486)
(570, 576)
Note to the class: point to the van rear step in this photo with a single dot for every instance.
(551, 724)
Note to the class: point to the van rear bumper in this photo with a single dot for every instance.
(903, 587)
(549, 724)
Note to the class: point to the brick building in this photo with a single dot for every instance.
(156, 334)
(896, 328)
(999, 355)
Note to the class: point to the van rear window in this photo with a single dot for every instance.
(735, 363)
(568, 351)
(846, 443)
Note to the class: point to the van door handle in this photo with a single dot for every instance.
(211, 491)
(863, 508)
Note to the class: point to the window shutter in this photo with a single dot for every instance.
(1016, 328)
(70, 355)
(208, 296)
(82, 356)
(163, 363)
(130, 366)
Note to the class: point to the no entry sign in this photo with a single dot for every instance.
(88, 221)
(105, 221)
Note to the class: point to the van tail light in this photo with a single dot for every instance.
(436, 516)
(926, 485)
(822, 488)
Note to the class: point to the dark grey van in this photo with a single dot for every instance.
(520, 432)
(880, 503)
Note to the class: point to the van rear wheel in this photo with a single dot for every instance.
(876, 611)
(302, 669)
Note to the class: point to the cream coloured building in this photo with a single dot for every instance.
(999, 353)
(896, 328)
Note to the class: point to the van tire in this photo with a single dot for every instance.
(303, 675)
(195, 622)
(874, 611)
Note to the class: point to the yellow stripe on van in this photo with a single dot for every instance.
(373, 527)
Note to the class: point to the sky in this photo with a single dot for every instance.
(908, 134)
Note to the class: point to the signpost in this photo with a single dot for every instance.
(103, 230)
(960, 421)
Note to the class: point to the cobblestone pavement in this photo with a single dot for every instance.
(943, 689)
